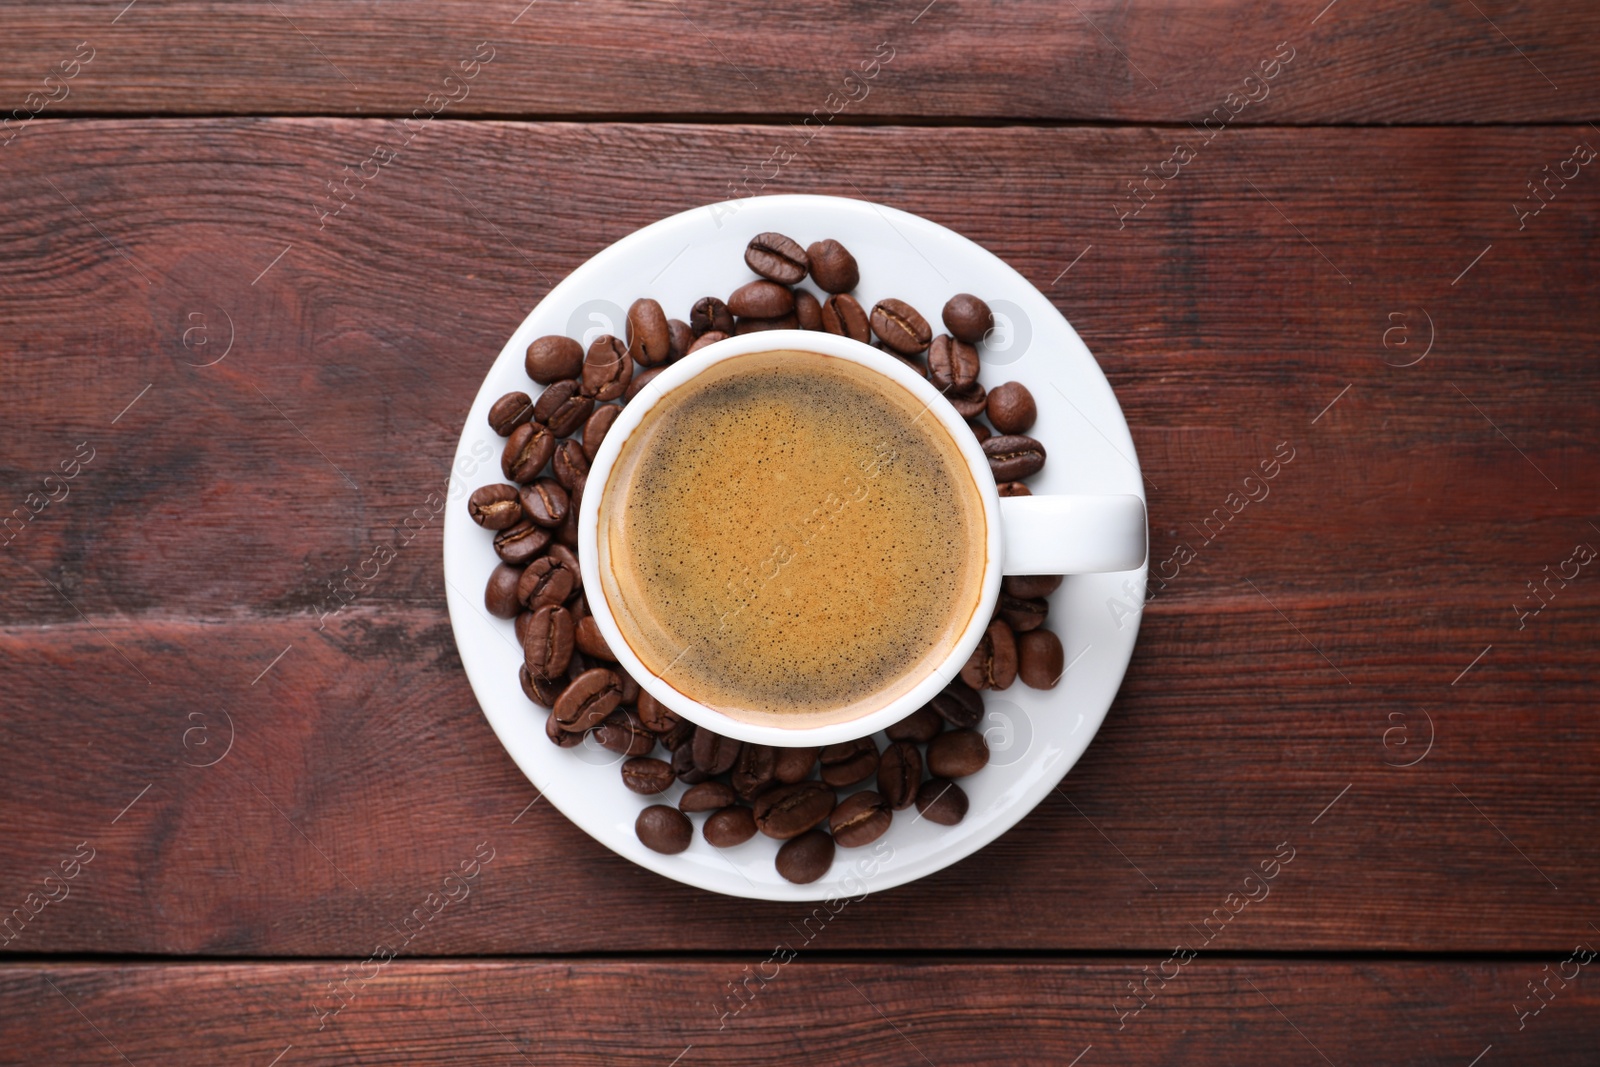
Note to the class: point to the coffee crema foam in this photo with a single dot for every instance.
(791, 539)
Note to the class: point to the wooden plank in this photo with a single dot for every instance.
(1458, 61)
(1427, 1014)
(200, 539)
(362, 772)
(1221, 313)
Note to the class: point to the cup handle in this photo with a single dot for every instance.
(1071, 534)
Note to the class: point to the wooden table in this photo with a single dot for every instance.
(231, 372)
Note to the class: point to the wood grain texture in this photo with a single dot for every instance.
(812, 1010)
(1455, 61)
(1229, 314)
(362, 773)
(1221, 314)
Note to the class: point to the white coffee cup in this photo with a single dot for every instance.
(1026, 535)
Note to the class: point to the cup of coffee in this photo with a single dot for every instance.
(792, 538)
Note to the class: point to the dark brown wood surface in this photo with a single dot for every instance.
(812, 1010)
(1468, 61)
(1322, 628)
(1351, 668)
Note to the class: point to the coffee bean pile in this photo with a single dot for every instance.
(789, 794)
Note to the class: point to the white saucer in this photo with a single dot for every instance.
(1035, 736)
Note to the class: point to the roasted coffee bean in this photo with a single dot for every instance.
(630, 688)
(833, 268)
(523, 620)
(761, 300)
(519, 544)
(910, 364)
(993, 664)
(980, 431)
(539, 690)
(577, 603)
(844, 315)
(774, 256)
(679, 338)
(663, 829)
(782, 322)
(794, 764)
(968, 318)
(655, 715)
(968, 402)
(681, 735)
(544, 503)
(957, 753)
(714, 753)
(807, 311)
(959, 705)
(1011, 408)
(640, 380)
(899, 774)
(860, 819)
(733, 825)
(1013, 457)
(754, 770)
(567, 532)
(596, 428)
(559, 737)
(1030, 585)
(787, 811)
(495, 507)
(607, 368)
(1013, 489)
(806, 858)
(586, 635)
(568, 559)
(623, 733)
(921, 725)
(849, 762)
(707, 796)
(952, 364)
(644, 774)
(649, 336)
(900, 326)
(552, 358)
(942, 802)
(1023, 614)
(710, 315)
(1039, 659)
(590, 697)
(527, 451)
(570, 465)
(563, 407)
(500, 596)
(710, 338)
(683, 762)
(547, 648)
(509, 412)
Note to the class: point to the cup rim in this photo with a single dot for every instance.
(681, 373)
